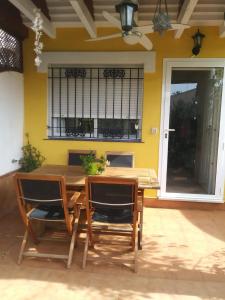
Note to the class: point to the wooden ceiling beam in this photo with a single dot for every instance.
(222, 28)
(11, 21)
(136, 14)
(42, 5)
(90, 6)
(27, 7)
(85, 12)
(185, 15)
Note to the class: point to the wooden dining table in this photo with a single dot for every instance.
(75, 180)
(75, 176)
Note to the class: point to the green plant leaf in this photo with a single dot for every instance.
(32, 158)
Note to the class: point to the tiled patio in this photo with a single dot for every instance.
(183, 257)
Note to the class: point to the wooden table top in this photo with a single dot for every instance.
(75, 175)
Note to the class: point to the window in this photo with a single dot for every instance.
(80, 127)
(100, 103)
(10, 52)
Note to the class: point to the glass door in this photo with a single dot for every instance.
(192, 133)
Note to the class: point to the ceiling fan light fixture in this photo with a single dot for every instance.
(130, 39)
(126, 10)
(161, 20)
(132, 33)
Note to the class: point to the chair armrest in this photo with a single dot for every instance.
(77, 198)
(73, 200)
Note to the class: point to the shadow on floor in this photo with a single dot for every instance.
(181, 257)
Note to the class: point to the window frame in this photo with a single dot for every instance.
(137, 138)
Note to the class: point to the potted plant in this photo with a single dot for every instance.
(31, 159)
(93, 165)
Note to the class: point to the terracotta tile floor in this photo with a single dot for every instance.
(183, 257)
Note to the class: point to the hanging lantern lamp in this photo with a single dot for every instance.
(126, 9)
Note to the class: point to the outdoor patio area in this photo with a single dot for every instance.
(182, 258)
(112, 149)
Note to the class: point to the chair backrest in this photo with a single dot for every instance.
(113, 200)
(120, 159)
(74, 156)
(45, 190)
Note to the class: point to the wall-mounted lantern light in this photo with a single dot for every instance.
(126, 9)
(198, 38)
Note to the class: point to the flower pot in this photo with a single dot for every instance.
(92, 169)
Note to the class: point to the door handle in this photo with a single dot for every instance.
(170, 130)
(167, 131)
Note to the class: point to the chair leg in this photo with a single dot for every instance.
(85, 251)
(78, 208)
(32, 233)
(23, 245)
(136, 257)
(140, 231)
(72, 243)
(73, 239)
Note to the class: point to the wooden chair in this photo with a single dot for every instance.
(126, 159)
(42, 199)
(74, 156)
(74, 160)
(111, 205)
(120, 159)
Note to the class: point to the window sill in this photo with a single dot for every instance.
(93, 140)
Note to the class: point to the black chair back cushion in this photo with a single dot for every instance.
(120, 160)
(112, 194)
(74, 158)
(41, 191)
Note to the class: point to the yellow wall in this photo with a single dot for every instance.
(146, 153)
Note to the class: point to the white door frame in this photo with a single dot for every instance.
(168, 64)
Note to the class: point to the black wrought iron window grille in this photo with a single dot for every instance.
(95, 103)
(10, 53)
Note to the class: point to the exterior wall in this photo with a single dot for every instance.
(11, 120)
(11, 135)
(146, 153)
(7, 194)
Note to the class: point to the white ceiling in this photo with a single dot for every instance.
(63, 14)
(206, 12)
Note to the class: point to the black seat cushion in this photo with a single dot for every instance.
(45, 212)
(122, 216)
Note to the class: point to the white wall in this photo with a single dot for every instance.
(11, 120)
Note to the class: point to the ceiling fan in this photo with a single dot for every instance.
(130, 32)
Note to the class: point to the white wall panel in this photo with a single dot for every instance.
(11, 120)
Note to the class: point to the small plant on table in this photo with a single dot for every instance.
(93, 165)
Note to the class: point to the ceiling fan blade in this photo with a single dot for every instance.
(145, 42)
(111, 19)
(106, 37)
(144, 29)
(179, 26)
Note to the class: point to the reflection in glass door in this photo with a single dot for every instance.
(194, 125)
